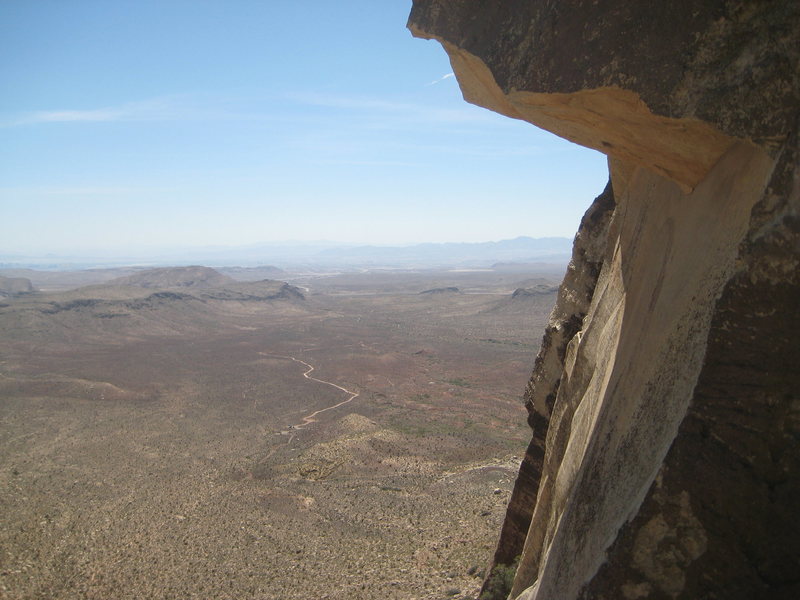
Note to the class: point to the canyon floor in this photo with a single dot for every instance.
(153, 445)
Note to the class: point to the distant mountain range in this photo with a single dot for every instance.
(554, 250)
(480, 254)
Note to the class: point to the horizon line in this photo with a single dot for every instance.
(133, 250)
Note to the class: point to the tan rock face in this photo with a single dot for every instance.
(574, 299)
(609, 119)
(669, 352)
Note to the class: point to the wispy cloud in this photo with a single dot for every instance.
(349, 102)
(78, 191)
(62, 116)
(442, 78)
(149, 110)
(386, 113)
(167, 108)
(389, 113)
(371, 163)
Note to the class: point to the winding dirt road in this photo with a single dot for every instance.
(311, 418)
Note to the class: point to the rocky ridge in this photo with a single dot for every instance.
(168, 277)
(664, 460)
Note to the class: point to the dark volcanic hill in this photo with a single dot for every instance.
(267, 289)
(442, 290)
(189, 277)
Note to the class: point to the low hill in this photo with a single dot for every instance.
(126, 312)
(267, 289)
(52, 281)
(11, 286)
(169, 277)
(259, 273)
(541, 289)
(442, 290)
(526, 300)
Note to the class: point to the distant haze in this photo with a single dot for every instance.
(552, 250)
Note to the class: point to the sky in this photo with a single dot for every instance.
(132, 125)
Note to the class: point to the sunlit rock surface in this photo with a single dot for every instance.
(664, 403)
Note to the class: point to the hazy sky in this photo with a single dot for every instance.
(147, 124)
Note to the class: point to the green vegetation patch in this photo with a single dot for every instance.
(498, 585)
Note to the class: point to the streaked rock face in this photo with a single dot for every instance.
(664, 402)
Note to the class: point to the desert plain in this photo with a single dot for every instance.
(164, 441)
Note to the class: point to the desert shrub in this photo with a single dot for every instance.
(459, 382)
(498, 585)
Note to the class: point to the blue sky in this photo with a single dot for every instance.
(127, 125)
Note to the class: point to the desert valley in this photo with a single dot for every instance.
(158, 437)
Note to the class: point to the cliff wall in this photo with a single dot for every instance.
(664, 402)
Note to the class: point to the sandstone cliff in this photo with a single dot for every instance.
(664, 402)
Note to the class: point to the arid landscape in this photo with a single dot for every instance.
(158, 438)
(282, 313)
